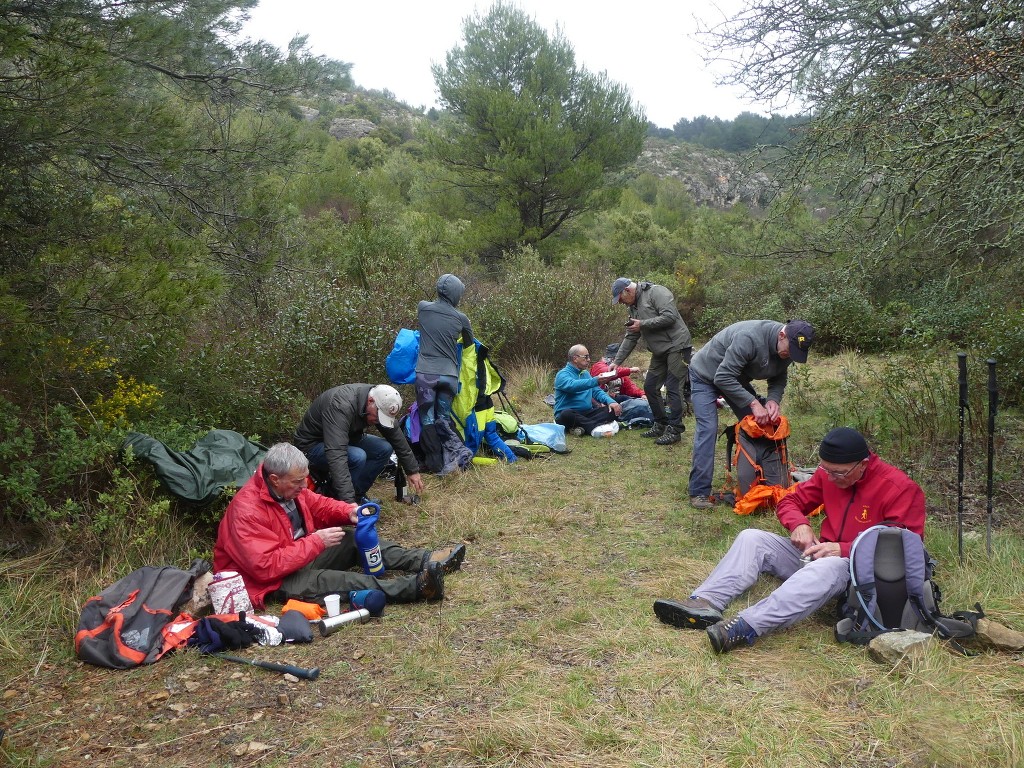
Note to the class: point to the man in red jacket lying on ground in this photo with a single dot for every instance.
(287, 541)
(858, 490)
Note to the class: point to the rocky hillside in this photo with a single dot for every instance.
(714, 178)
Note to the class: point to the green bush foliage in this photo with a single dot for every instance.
(536, 311)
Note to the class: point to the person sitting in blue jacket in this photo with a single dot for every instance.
(580, 403)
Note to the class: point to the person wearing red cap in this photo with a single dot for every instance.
(857, 489)
(333, 436)
(725, 367)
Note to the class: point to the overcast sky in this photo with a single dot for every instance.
(646, 45)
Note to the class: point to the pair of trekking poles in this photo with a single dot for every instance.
(993, 404)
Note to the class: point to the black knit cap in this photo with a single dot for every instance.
(843, 446)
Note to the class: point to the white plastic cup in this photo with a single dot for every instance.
(333, 604)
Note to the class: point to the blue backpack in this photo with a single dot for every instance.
(400, 363)
(891, 589)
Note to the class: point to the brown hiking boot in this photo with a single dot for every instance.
(691, 613)
(430, 583)
(450, 558)
(701, 502)
(726, 635)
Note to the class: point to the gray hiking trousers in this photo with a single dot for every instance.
(804, 588)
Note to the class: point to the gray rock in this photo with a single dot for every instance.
(351, 128)
(308, 113)
(992, 634)
(713, 178)
(892, 647)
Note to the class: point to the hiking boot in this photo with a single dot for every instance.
(577, 431)
(450, 558)
(656, 430)
(430, 583)
(701, 502)
(726, 635)
(673, 434)
(691, 613)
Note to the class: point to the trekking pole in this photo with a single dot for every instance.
(288, 669)
(993, 404)
(962, 379)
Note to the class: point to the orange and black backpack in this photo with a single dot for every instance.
(129, 623)
(757, 464)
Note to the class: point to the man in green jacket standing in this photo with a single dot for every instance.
(654, 316)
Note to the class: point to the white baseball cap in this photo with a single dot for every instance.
(388, 402)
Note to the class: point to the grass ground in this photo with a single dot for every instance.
(546, 651)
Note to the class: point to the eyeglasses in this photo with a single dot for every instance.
(585, 357)
(837, 475)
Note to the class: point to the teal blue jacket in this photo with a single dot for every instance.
(574, 390)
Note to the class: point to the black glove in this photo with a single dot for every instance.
(295, 627)
(213, 635)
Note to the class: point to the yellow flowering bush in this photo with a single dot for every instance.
(129, 398)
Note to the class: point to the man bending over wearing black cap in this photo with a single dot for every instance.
(724, 367)
(858, 489)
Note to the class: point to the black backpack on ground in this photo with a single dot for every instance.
(891, 589)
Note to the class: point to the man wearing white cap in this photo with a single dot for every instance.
(333, 436)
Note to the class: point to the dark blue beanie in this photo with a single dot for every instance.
(843, 446)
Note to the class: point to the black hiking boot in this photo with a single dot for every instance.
(656, 430)
(673, 434)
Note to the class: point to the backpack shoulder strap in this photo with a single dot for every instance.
(862, 575)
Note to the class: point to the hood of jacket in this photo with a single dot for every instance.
(450, 289)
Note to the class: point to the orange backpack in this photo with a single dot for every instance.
(759, 458)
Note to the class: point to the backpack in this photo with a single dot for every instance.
(400, 363)
(758, 454)
(129, 623)
(891, 589)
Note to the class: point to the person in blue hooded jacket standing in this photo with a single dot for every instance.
(441, 327)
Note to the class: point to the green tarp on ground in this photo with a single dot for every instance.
(219, 459)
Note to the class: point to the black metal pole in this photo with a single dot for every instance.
(993, 405)
(399, 482)
(962, 379)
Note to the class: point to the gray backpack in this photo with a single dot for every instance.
(891, 589)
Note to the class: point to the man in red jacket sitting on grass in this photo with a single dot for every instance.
(287, 541)
(858, 490)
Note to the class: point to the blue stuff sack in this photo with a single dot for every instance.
(400, 363)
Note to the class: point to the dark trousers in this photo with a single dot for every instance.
(329, 573)
(668, 368)
(595, 417)
(366, 460)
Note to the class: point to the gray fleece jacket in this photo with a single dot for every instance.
(441, 327)
(739, 354)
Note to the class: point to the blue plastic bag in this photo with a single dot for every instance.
(551, 435)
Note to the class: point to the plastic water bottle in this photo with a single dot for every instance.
(366, 539)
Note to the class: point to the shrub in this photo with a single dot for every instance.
(1002, 334)
(536, 312)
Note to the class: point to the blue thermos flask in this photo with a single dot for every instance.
(366, 539)
(372, 600)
